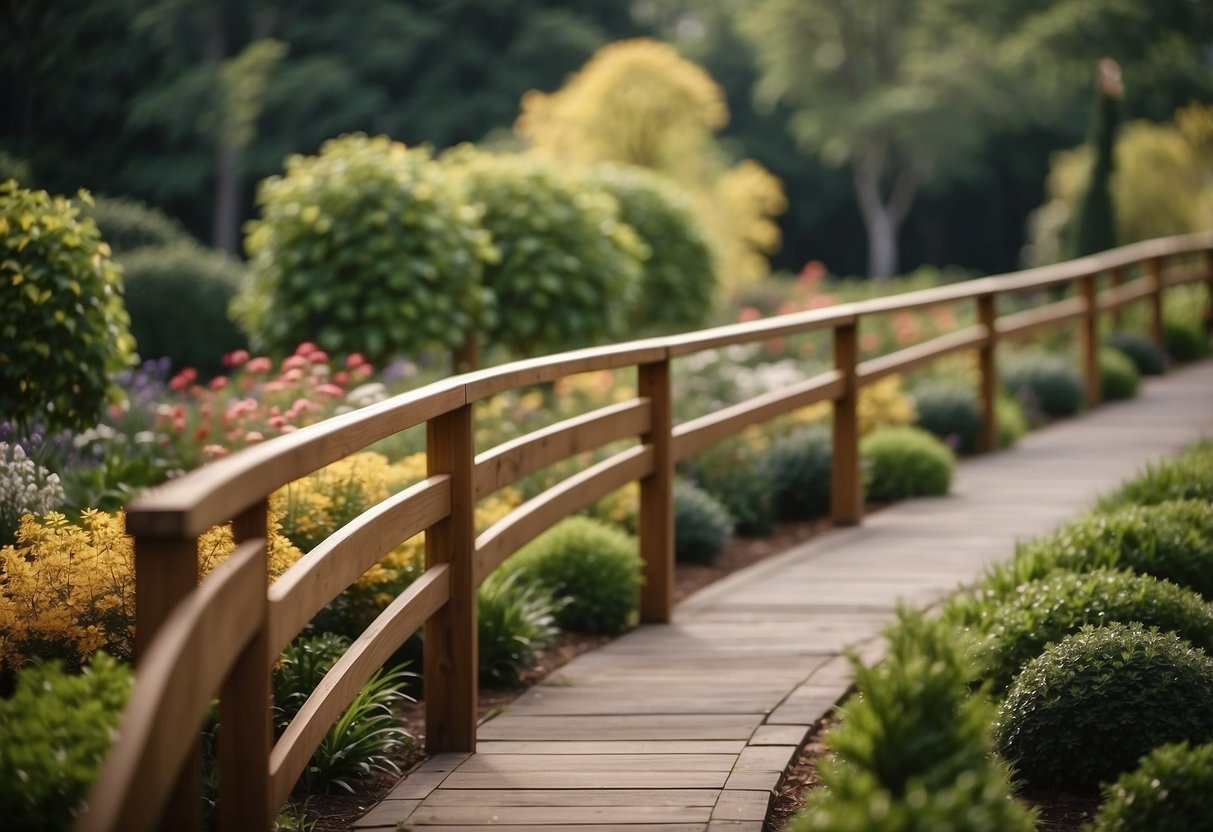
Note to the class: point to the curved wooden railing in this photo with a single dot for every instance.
(220, 637)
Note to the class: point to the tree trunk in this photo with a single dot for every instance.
(227, 198)
(882, 243)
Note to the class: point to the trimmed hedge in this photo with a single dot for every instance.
(1170, 791)
(901, 462)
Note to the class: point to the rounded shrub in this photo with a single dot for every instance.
(64, 325)
(678, 279)
(1088, 708)
(128, 224)
(594, 565)
(1185, 341)
(57, 728)
(178, 299)
(1118, 377)
(569, 267)
(800, 470)
(1047, 384)
(515, 620)
(365, 248)
(733, 472)
(1044, 612)
(1148, 359)
(1172, 540)
(701, 525)
(1011, 420)
(950, 412)
(1170, 791)
(1188, 476)
(901, 462)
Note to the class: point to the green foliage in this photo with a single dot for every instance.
(364, 738)
(1086, 709)
(1095, 219)
(63, 326)
(701, 525)
(678, 281)
(1170, 791)
(364, 248)
(1185, 341)
(569, 267)
(178, 299)
(733, 472)
(128, 225)
(1188, 476)
(901, 462)
(913, 747)
(594, 565)
(57, 728)
(12, 167)
(1012, 422)
(1045, 611)
(950, 411)
(516, 620)
(1118, 377)
(800, 470)
(1046, 384)
(1143, 352)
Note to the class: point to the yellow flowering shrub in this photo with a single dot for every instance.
(881, 404)
(68, 589)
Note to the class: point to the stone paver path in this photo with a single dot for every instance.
(688, 727)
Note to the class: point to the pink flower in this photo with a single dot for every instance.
(218, 382)
(341, 377)
(354, 359)
(214, 451)
(319, 357)
(277, 422)
(292, 375)
(235, 358)
(294, 362)
(812, 273)
(748, 313)
(329, 390)
(306, 348)
(260, 364)
(183, 379)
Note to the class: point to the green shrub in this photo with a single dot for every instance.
(1045, 383)
(678, 280)
(1148, 359)
(1170, 791)
(63, 326)
(1185, 341)
(128, 224)
(1118, 377)
(178, 299)
(365, 737)
(1044, 612)
(732, 472)
(364, 248)
(516, 620)
(594, 565)
(569, 268)
(949, 411)
(1086, 709)
(1188, 476)
(914, 746)
(701, 525)
(1011, 419)
(901, 462)
(800, 470)
(56, 730)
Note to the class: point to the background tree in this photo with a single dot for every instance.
(1095, 222)
(640, 103)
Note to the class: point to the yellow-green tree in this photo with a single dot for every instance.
(639, 102)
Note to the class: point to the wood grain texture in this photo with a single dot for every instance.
(846, 487)
(656, 519)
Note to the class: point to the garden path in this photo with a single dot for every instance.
(687, 727)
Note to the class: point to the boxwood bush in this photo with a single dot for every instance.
(950, 411)
(1011, 419)
(800, 469)
(701, 525)
(1118, 377)
(1088, 708)
(57, 728)
(1047, 384)
(128, 225)
(1044, 612)
(903, 461)
(1185, 342)
(595, 566)
(1146, 356)
(734, 473)
(1188, 476)
(1170, 791)
(914, 746)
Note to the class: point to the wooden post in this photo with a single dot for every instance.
(846, 489)
(1209, 293)
(1090, 339)
(987, 363)
(1154, 268)
(450, 661)
(657, 498)
(1116, 277)
(245, 709)
(166, 571)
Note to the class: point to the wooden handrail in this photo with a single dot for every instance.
(244, 625)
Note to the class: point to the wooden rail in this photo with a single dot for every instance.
(219, 638)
